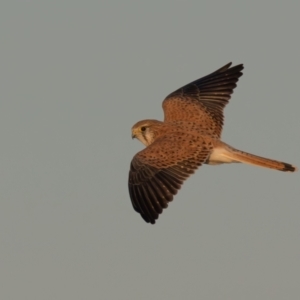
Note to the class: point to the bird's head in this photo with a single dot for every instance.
(145, 131)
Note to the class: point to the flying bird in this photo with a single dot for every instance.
(189, 136)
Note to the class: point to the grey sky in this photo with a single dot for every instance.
(75, 76)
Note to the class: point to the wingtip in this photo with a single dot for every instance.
(228, 66)
(224, 68)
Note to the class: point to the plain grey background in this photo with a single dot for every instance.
(75, 76)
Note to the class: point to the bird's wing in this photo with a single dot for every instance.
(203, 100)
(157, 172)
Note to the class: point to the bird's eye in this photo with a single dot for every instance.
(143, 128)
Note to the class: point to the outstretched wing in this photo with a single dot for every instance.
(157, 172)
(202, 101)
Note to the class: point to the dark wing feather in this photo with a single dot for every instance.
(155, 179)
(202, 101)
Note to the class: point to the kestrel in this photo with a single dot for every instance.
(188, 137)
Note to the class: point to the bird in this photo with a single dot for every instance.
(189, 137)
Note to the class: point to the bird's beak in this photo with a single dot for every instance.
(133, 136)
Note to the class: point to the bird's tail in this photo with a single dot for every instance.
(244, 157)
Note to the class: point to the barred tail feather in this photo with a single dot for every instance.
(244, 157)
